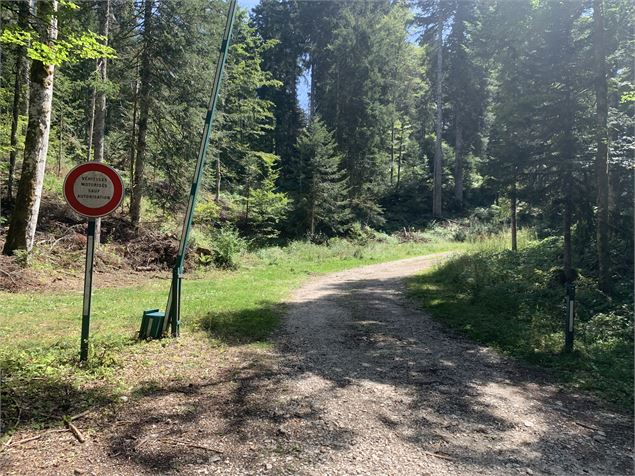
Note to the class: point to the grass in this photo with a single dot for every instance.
(514, 303)
(39, 332)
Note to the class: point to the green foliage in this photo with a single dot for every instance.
(207, 213)
(267, 208)
(322, 203)
(227, 245)
(73, 47)
(514, 302)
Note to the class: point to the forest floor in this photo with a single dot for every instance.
(355, 381)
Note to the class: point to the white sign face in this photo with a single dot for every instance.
(93, 189)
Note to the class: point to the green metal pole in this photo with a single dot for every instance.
(88, 289)
(173, 308)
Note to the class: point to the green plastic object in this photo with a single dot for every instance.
(151, 324)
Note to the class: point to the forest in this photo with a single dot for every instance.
(417, 111)
(347, 132)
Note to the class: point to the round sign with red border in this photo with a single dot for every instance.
(93, 189)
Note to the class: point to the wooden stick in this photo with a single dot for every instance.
(438, 455)
(79, 415)
(7, 444)
(37, 437)
(586, 426)
(191, 445)
(75, 431)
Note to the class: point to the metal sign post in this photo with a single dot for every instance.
(155, 322)
(92, 190)
(88, 289)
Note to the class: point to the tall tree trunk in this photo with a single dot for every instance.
(567, 222)
(144, 109)
(100, 101)
(601, 157)
(60, 150)
(20, 102)
(438, 151)
(399, 157)
(392, 153)
(91, 125)
(133, 134)
(217, 195)
(21, 232)
(312, 98)
(514, 225)
(458, 164)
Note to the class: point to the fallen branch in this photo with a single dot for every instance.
(439, 455)
(75, 431)
(79, 415)
(6, 444)
(190, 445)
(37, 437)
(589, 427)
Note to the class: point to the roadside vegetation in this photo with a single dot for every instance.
(513, 302)
(236, 301)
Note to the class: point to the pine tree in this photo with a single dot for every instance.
(322, 201)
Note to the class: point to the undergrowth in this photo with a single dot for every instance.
(513, 301)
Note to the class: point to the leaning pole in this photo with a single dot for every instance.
(155, 323)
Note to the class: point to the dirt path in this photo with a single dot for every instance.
(359, 382)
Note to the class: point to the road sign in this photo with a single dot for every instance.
(93, 189)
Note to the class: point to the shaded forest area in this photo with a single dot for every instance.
(491, 114)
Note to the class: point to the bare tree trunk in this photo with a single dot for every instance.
(514, 225)
(567, 221)
(91, 126)
(399, 157)
(60, 151)
(133, 135)
(100, 101)
(458, 164)
(217, 196)
(21, 232)
(392, 153)
(312, 102)
(601, 157)
(438, 150)
(144, 110)
(21, 79)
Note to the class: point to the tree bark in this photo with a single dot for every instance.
(145, 73)
(91, 125)
(100, 101)
(217, 195)
(567, 222)
(19, 105)
(438, 150)
(392, 153)
(399, 157)
(514, 225)
(601, 157)
(458, 164)
(133, 134)
(21, 234)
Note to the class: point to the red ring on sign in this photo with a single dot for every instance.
(75, 173)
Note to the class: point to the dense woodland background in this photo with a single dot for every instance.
(501, 113)
(500, 129)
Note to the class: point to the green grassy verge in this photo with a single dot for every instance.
(39, 332)
(514, 303)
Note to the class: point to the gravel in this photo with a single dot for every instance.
(358, 382)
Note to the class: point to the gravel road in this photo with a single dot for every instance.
(358, 382)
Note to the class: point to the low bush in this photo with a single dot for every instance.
(514, 301)
(227, 245)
